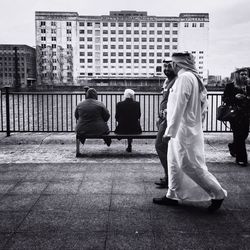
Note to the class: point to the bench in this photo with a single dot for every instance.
(112, 135)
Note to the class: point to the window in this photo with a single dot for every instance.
(136, 39)
(159, 40)
(43, 30)
(159, 32)
(144, 24)
(90, 54)
(105, 46)
(89, 24)
(43, 38)
(53, 23)
(167, 40)
(128, 60)
(89, 31)
(136, 54)
(113, 60)
(144, 39)
(81, 39)
(89, 39)
(186, 24)
(90, 60)
(120, 39)
(202, 25)
(151, 39)
(166, 54)
(53, 31)
(143, 54)
(144, 32)
(167, 24)
(159, 46)
(159, 24)
(128, 39)
(159, 54)
(105, 60)
(174, 47)
(53, 38)
(136, 32)
(120, 47)
(128, 54)
(144, 46)
(120, 24)
(193, 25)
(128, 24)
(113, 54)
(120, 54)
(151, 47)
(42, 23)
(120, 32)
(151, 25)
(112, 39)
(105, 24)
(151, 61)
(120, 60)
(151, 32)
(175, 32)
(136, 60)
(136, 24)
(175, 40)
(113, 32)
(81, 24)
(68, 31)
(128, 32)
(90, 46)
(105, 54)
(128, 46)
(112, 46)
(152, 54)
(68, 24)
(136, 47)
(167, 32)
(53, 46)
(175, 24)
(105, 32)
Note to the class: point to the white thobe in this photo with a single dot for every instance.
(189, 178)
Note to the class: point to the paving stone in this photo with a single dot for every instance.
(96, 187)
(29, 188)
(9, 221)
(58, 202)
(130, 241)
(18, 202)
(63, 187)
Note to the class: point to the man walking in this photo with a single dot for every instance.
(189, 178)
(160, 146)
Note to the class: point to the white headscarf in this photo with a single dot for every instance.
(129, 93)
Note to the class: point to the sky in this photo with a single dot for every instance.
(229, 36)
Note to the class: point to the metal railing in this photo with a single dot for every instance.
(54, 112)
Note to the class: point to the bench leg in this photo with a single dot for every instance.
(77, 147)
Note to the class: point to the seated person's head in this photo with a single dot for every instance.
(242, 75)
(91, 94)
(129, 93)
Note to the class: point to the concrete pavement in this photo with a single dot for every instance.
(49, 199)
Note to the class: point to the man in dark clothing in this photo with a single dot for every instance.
(128, 115)
(160, 146)
(92, 117)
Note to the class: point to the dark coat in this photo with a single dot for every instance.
(128, 115)
(92, 117)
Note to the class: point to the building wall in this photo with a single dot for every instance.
(22, 62)
(73, 48)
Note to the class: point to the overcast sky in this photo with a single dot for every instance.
(229, 22)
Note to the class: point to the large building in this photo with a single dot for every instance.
(17, 65)
(124, 44)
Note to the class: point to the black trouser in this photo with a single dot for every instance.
(240, 128)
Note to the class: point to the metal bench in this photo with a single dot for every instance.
(112, 135)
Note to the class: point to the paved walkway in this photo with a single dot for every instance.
(51, 200)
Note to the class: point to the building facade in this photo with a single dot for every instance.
(124, 44)
(17, 65)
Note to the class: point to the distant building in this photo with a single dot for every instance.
(214, 80)
(124, 44)
(17, 65)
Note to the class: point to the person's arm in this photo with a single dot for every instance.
(182, 93)
(105, 114)
(117, 112)
(76, 113)
(228, 95)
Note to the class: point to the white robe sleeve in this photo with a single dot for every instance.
(179, 98)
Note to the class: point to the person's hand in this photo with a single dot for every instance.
(240, 96)
(166, 138)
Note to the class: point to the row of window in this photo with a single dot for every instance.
(114, 60)
(11, 75)
(194, 25)
(119, 24)
(136, 54)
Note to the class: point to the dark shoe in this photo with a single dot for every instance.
(165, 201)
(129, 149)
(216, 204)
(242, 163)
(108, 141)
(162, 184)
(231, 151)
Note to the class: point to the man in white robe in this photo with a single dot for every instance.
(188, 176)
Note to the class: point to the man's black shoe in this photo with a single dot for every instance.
(162, 182)
(129, 149)
(162, 186)
(165, 201)
(216, 204)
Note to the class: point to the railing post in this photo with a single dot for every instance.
(7, 100)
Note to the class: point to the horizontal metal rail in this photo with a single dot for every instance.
(54, 111)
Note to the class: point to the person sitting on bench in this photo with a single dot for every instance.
(92, 117)
(128, 115)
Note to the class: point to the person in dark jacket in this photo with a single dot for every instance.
(92, 117)
(238, 94)
(128, 115)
